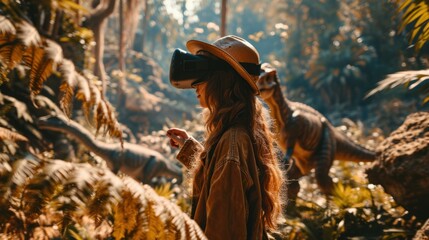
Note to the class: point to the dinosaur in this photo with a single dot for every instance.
(139, 162)
(308, 139)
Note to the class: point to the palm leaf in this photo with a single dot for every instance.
(404, 78)
(418, 16)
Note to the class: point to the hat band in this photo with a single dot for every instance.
(251, 68)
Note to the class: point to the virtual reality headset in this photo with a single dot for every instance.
(187, 69)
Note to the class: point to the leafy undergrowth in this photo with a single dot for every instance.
(358, 209)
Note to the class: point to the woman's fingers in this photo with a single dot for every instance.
(177, 137)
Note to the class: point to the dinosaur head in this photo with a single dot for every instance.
(267, 82)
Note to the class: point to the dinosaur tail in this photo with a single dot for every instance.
(348, 150)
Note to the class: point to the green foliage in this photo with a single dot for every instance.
(416, 17)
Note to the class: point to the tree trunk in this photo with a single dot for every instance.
(120, 91)
(402, 165)
(97, 23)
(223, 18)
(144, 22)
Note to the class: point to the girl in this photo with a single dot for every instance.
(237, 180)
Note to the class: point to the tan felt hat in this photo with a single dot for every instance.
(237, 52)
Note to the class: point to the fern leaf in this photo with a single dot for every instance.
(6, 134)
(22, 170)
(6, 26)
(40, 68)
(164, 190)
(84, 93)
(11, 52)
(154, 225)
(54, 52)
(66, 98)
(106, 194)
(44, 185)
(126, 215)
(94, 102)
(28, 35)
(114, 128)
(21, 108)
(100, 116)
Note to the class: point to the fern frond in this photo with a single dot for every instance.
(6, 26)
(157, 213)
(106, 194)
(28, 35)
(68, 84)
(21, 108)
(11, 52)
(22, 171)
(164, 190)
(81, 184)
(113, 126)
(126, 215)
(6, 134)
(44, 186)
(100, 117)
(67, 192)
(84, 92)
(40, 68)
(54, 52)
(5, 173)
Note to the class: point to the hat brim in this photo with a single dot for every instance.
(194, 46)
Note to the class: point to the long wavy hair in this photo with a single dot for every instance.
(230, 100)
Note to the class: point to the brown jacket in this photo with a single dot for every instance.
(226, 199)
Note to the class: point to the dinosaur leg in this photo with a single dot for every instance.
(293, 175)
(325, 155)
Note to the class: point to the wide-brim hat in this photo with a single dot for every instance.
(237, 52)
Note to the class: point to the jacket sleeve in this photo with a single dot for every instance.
(190, 152)
(227, 207)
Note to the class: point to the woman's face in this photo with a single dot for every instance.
(200, 90)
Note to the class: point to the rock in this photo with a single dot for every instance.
(402, 165)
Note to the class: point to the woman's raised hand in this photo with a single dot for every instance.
(177, 137)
